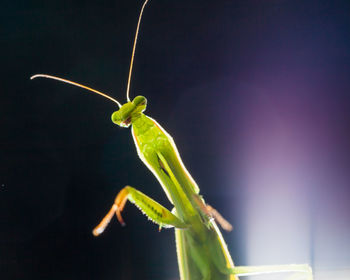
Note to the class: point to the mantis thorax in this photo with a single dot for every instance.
(129, 111)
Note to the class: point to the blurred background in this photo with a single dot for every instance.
(254, 93)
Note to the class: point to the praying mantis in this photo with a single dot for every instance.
(201, 250)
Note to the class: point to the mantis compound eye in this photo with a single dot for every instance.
(140, 103)
(121, 120)
(117, 118)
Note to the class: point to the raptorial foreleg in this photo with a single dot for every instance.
(152, 209)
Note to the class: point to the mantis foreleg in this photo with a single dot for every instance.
(152, 209)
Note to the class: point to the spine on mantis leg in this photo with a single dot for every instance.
(152, 209)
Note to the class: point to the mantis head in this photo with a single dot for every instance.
(126, 113)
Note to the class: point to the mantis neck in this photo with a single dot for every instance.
(141, 123)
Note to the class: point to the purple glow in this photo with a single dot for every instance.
(293, 172)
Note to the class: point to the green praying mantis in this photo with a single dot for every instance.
(201, 250)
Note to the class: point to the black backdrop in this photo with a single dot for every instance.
(63, 161)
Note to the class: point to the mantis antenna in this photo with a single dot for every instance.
(133, 50)
(75, 84)
(96, 91)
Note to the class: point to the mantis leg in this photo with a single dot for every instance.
(303, 271)
(152, 209)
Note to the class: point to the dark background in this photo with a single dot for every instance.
(255, 94)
